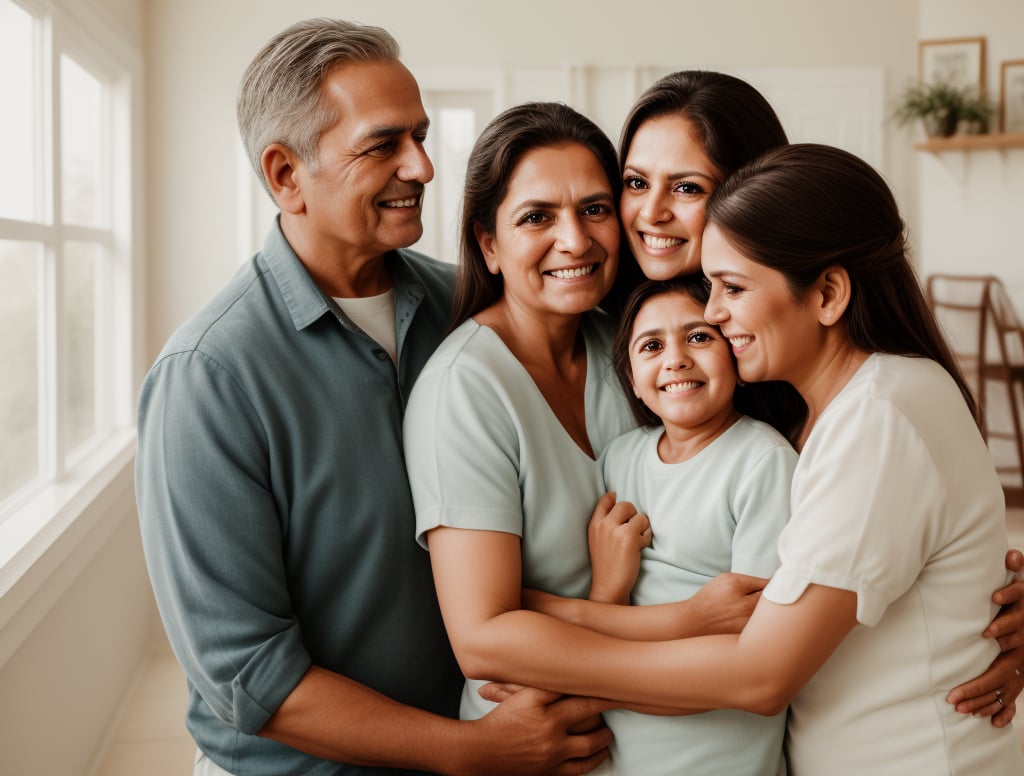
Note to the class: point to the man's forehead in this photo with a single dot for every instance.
(376, 99)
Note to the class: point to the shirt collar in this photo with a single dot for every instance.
(307, 303)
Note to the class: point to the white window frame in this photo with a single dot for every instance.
(47, 509)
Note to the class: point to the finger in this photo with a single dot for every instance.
(581, 765)
(1005, 715)
(640, 522)
(621, 513)
(1010, 594)
(994, 706)
(1010, 641)
(574, 708)
(586, 745)
(749, 584)
(588, 725)
(988, 710)
(972, 695)
(1014, 560)
(603, 507)
(502, 691)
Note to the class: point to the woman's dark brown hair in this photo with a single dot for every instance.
(804, 208)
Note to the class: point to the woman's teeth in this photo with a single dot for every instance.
(578, 272)
(661, 242)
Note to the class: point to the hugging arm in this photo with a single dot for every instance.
(534, 732)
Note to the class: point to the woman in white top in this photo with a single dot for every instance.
(682, 138)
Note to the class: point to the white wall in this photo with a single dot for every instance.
(972, 204)
(197, 50)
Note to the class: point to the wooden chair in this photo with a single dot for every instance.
(982, 328)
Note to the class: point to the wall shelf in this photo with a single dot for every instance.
(994, 142)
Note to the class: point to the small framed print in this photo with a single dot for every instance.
(956, 62)
(1011, 96)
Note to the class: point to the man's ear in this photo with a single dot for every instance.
(280, 165)
(836, 289)
(486, 242)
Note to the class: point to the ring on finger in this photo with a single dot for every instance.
(999, 697)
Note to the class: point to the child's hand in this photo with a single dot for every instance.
(616, 534)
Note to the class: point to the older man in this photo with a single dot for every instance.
(275, 511)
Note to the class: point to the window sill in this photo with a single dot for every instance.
(48, 540)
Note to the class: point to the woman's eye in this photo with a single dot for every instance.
(699, 337)
(532, 218)
(651, 346)
(732, 290)
(634, 183)
(689, 188)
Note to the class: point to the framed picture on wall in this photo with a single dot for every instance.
(1011, 97)
(957, 62)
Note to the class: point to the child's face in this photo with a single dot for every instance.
(680, 366)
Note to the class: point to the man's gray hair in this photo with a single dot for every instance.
(280, 96)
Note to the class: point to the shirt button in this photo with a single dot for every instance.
(381, 355)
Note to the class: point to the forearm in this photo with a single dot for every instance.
(573, 660)
(759, 670)
(332, 717)
(658, 622)
(723, 605)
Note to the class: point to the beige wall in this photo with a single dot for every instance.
(972, 204)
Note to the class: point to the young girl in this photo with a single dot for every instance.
(714, 484)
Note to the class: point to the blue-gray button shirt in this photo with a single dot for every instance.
(275, 510)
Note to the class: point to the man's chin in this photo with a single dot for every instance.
(403, 238)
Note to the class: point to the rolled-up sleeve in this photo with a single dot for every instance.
(212, 535)
(865, 499)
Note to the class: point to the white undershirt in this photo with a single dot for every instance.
(376, 316)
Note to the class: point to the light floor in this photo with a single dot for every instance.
(151, 738)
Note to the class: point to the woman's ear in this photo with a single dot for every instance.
(836, 290)
(486, 242)
(280, 165)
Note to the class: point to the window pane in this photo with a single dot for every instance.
(20, 264)
(82, 152)
(19, 192)
(80, 265)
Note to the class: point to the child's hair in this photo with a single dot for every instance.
(694, 286)
(776, 403)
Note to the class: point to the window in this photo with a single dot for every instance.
(65, 247)
(456, 118)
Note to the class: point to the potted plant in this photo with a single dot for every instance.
(975, 115)
(938, 106)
